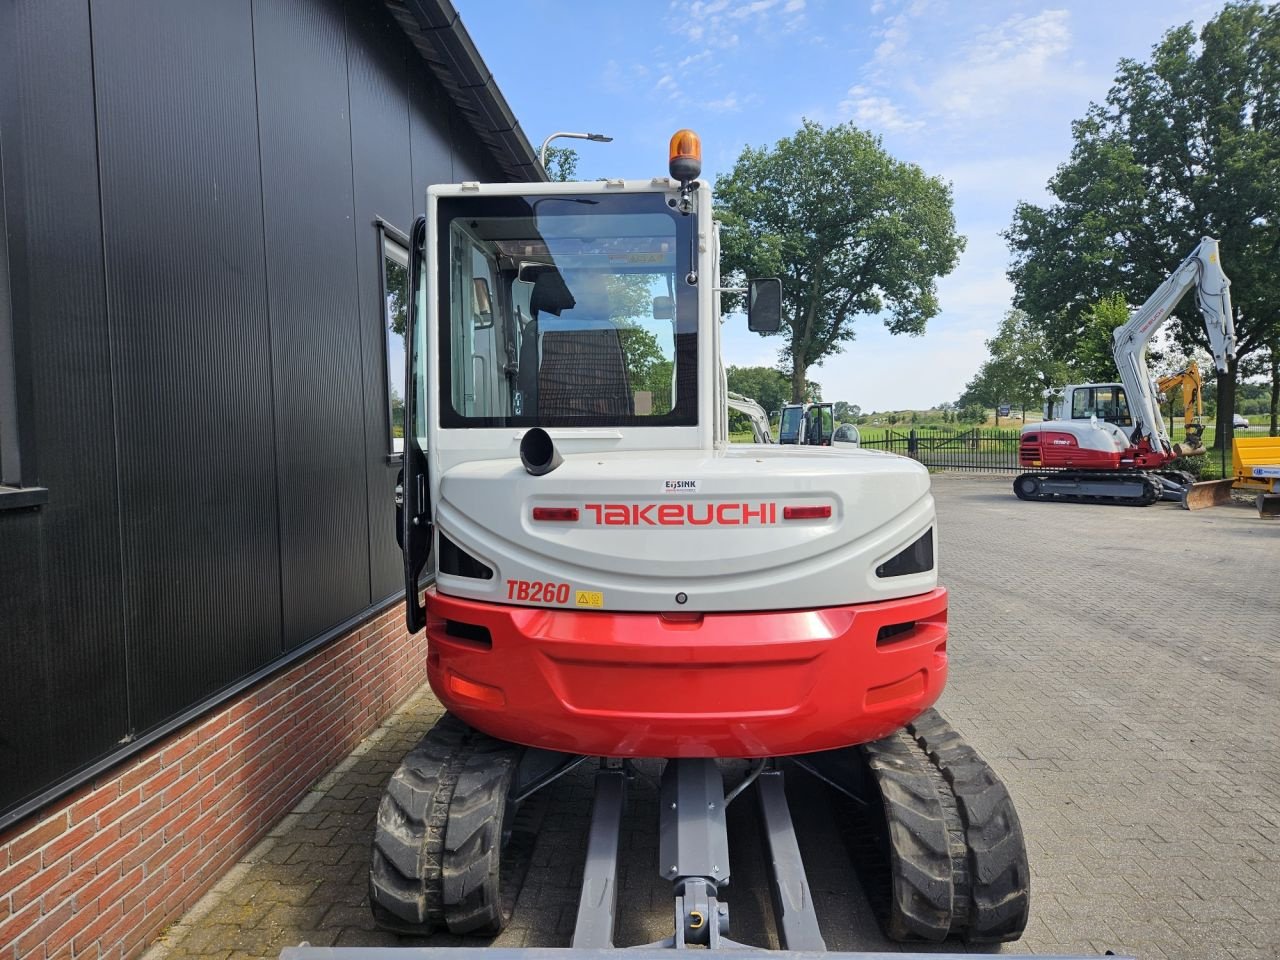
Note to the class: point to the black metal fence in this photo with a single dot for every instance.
(944, 448)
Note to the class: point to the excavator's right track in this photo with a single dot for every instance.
(958, 864)
(1130, 488)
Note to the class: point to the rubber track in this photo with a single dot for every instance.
(1150, 496)
(959, 864)
(437, 847)
(922, 894)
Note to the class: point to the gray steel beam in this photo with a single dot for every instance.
(693, 840)
(792, 899)
(598, 905)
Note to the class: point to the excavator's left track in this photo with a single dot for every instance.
(448, 849)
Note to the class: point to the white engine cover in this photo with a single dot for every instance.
(1089, 434)
(711, 526)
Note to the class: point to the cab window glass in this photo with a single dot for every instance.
(1111, 405)
(1082, 403)
(557, 316)
(395, 299)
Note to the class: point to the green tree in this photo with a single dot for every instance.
(562, 164)
(1184, 146)
(850, 231)
(766, 386)
(1021, 367)
(1092, 360)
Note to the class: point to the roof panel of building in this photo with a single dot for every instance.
(437, 33)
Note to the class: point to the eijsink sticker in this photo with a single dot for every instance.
(679, 486)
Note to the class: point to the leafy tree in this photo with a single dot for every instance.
(1184, 146)
(849, 229)
(989, 388)
(972, 413)
(1092, 360)
(1020, 368)
(766, 386)
(562, 163)
(630, 295)
(648, 368)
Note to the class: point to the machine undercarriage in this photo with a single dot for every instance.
(929, 823)
(1133, 488)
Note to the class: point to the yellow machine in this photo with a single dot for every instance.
(1192, 406)
(1255, 464)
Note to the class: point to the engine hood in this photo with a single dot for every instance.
(711, 527)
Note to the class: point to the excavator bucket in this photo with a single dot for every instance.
(1207, 493)
(1269, 504)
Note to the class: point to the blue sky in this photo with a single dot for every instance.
(980, 94)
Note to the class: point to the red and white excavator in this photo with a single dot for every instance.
(1087, 456)
(615, 582)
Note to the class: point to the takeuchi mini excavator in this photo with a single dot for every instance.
(616, 584)
(1111, 445)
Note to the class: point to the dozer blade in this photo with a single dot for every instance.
(1207, 493)
(1269, 504)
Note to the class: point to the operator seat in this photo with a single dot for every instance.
(582, 370)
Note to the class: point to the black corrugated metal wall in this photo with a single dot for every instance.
(190, 196)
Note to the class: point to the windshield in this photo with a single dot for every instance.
(789, 425)
(566, 311)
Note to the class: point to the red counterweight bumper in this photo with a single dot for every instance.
(761, 684)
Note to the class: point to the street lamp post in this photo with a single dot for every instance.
(542, 153)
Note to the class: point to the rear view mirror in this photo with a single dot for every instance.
(481, 304)
(663, 308)
(764, 305)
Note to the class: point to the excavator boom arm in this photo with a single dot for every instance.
(755, 413)
(1202, 272)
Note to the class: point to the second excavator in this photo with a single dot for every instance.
(1091, 457)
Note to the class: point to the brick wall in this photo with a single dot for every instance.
(104, 870)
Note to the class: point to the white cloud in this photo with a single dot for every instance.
(876, 113)
(1021, 58)
(726, 104)
(716, 21)
(996, 180)
(896, 33)
(693, 58)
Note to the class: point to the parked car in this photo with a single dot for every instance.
(1239, 422)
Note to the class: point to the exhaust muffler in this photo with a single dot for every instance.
(538, 452)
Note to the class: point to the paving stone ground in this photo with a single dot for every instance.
(1120, 668)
